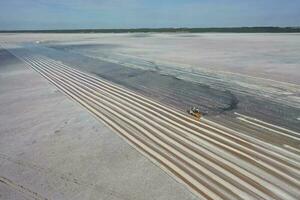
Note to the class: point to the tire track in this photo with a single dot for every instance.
(192, 124)
(223, 165)
(196, 155)
(215, 162)
(238, 140)
(24, 191)
(63, 78)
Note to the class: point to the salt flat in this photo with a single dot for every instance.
(246, 84)
(267, 55)
(51, 148)
(242, 71)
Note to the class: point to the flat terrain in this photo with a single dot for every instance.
(215, 72)
(266, 55)
(245, 147)
(51, 148)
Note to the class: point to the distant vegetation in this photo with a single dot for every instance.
(170, 30)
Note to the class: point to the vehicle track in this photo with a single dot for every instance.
(214, 161)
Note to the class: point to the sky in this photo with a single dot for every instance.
(81, 14)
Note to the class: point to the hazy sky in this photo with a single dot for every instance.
(66, 14)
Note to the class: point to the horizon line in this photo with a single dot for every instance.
(166, 29)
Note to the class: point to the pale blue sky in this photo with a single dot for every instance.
(76, 14)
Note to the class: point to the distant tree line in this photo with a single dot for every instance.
(170, 30)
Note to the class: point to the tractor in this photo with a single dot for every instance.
(195, 112)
